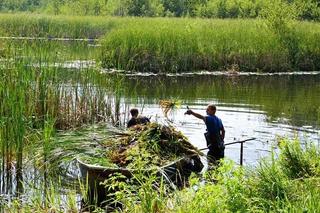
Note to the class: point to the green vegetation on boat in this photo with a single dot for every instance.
(148, 146)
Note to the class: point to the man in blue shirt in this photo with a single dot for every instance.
(215, 132)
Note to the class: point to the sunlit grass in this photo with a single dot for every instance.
(178, 45)
(186, 45)
(235, 189)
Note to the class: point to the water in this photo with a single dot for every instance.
(266, 107)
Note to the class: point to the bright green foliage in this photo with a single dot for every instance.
(234, 189)
(180, 45)
(299, 162)
(231, 8)
(177, 45)
(279, 17)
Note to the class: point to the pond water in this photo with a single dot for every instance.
(262, 106)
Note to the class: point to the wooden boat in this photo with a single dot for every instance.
(176, 172)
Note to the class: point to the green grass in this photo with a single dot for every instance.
(182, 45)
(235, 189)
(37, 25)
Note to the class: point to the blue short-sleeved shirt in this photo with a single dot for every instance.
(214, 124)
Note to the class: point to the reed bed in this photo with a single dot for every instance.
(180, 45)
(34, 25)
(38, 96)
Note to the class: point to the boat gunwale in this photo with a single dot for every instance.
(119, 169)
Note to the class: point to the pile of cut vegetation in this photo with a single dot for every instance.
(152, 145)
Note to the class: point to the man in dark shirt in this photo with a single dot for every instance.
(215, 132)
(136, 118)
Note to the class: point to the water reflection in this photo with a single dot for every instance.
(291, 99)
(265, 107)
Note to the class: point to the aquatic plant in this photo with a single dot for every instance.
(143, 147)
(52, 27)
(298, 161)
(169, 105)
(180, 45)
(188, 45)
(38, 96)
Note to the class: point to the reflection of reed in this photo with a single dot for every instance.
(291, 97)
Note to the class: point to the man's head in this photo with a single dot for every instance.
(134, 112)
(211, 109)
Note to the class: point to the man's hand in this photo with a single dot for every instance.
(188, 112)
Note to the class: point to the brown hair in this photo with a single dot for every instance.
(134, 112)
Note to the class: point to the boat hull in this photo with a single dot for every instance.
(175, 173)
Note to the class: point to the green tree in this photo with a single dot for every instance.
(309, 9)
(143, 7)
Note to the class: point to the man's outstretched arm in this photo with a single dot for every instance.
(190, 112)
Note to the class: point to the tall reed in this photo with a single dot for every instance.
(184, 45)
(39, 96)
(57, 26)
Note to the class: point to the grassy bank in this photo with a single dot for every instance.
(56, 26)
(180, 45)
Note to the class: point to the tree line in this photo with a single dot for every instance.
(308, 9)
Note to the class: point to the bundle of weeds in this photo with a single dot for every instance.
(165, 140)
(146, 146)
(169, 105)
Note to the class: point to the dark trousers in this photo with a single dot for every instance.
(215, 154)
(216, 147)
